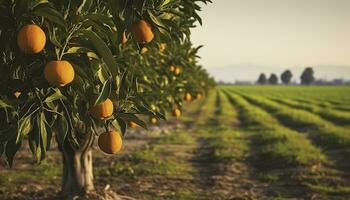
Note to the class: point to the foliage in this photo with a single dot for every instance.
(273, 80)
(89, 34)
(307, 77)
(262, 79)
(286, 76)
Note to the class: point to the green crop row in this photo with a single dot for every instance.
(322, 132)
(277, 147)
(337, 117)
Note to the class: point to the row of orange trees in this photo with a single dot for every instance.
(73, 70)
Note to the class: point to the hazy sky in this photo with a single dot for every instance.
(245, 37)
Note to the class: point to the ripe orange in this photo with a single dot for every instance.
(59, 73)
(199, 96)
(31, 39)
(171, 68)
(188, 96)
(17, 94)
(176, 112)
(190, 60)
(177, 71)
(144, 50)
(153, 120)
(102, 110)
(132, 124)
(124, 38)
(110, 142)
(142, 32)
(162, 47)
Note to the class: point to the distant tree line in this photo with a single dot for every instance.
(306, 78)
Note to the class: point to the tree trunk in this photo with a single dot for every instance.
(77, 177)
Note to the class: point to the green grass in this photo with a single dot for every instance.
(329, 189)
(335, 116)
(180, 137)
(207, 111)
(45, 171)
(228, 145)
(323, 132)
(151, 160)
(276, 146)
(333, 95)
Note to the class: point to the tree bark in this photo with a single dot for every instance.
(77, 177)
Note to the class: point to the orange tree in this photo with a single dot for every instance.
(75, 70)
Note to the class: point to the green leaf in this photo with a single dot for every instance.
(50, 14)
(24, 127)
(74, 50)
(55, 96)
(123, 87)
(132, 117)
(85, 6)
(105, 92)
(10, 151)
(62, 129)
(36, 3)
(42, 131)
(102, 50)
(101, 18)
(122, 125)
(3, 104)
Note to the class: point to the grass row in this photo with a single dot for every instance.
(228, 145)
(207, 110)
(335, 116)
(321, 103)
(334, 95)
(322, 132)
(152, 159)
(228, 114)
(276, 147)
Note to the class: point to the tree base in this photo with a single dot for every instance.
(106, 194)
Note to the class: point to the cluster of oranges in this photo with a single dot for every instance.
(31, 39)
(175, 69)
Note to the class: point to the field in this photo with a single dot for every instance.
(241, 142)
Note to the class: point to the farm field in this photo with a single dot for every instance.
(241, 142)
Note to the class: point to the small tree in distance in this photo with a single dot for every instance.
(262, 79)
(307, 77)
(273, 80)
(286, 76)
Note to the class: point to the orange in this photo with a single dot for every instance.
(153, 120)
(59, 73)
(110, 142)
(190, 60)
(199, 96)
(187, 97)
(177, 71)
(102, 110)
(124, 38)
(162, 47)
(171, 68)
(176, 112)
(142, 32)
(17, 94)
(144, 50)
(132, 124)
(31, 39)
